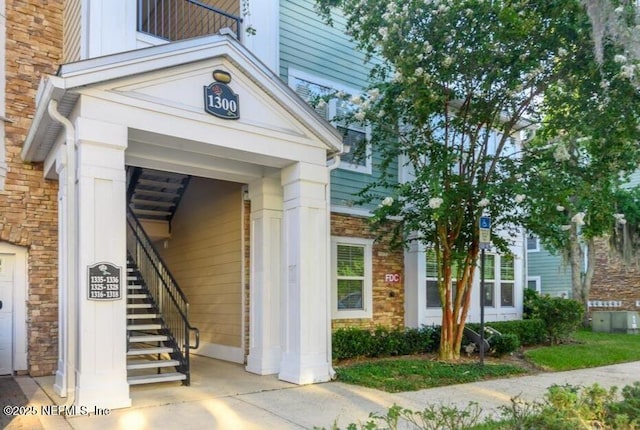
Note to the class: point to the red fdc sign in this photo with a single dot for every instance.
(392, 278)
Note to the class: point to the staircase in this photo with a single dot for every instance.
(154, 195)
(151, 350)
(158, 330)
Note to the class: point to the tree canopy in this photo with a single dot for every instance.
(457, 85)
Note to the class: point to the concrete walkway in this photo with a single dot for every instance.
(238, 400)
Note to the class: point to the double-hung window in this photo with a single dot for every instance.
(433, 294)
(507, 281)
(311, 88)
(352, 277)
(489, 280)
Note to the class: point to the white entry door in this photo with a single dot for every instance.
(7, 263)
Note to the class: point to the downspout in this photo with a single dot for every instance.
(335, 162)
(70, 170)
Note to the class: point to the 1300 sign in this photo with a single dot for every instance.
(221, 101)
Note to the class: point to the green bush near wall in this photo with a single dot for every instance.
(352, 342)
(529, 332)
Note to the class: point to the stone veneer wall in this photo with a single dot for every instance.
(388, 298)
(614, 280)
(28, 215)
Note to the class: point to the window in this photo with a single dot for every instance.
(433, 294)
(352, 277)
(309, 87)
(534, 283)
(507, 281)
(499, 278)
(489, 280)
(533, 244)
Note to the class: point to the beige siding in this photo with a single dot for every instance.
(205, 256)
(71, 31)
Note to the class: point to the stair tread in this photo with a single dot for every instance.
(156, 193)
(147, 202)
(149, 338)
(150, 379)
(151, 364)
(137, 296)
(150, 212)
(159, 184)
(141, 316)
(147, 351)
(139, 305)
(144, 326)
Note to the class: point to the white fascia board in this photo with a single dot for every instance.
(51, 88)
(102, 69)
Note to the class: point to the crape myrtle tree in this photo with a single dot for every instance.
(583, 153)
(452, 85)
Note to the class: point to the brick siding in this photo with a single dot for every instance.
(388, 297)
(615, 280)
(29, 214)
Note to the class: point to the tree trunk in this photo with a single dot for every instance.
(576, 259)
(588, 278)
(455, 309)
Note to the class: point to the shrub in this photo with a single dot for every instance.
(530, 332)
(561, 317)
(505, 343)
(563, 408)
(354, 342)
(350, 342)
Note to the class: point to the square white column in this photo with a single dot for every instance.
(306, 356)
(60, 384)
(101, 344)
(266, 276)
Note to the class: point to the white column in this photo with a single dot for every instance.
(60, 384)
(108, 27)
(414, 286)
(263, 17)
(306, 322)
(101, 343)
(266, 276)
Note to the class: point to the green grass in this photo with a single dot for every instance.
(589, 350)
(410, 374)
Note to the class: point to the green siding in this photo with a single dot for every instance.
(555, 275)
(309, 45)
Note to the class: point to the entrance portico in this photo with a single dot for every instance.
(145, 108)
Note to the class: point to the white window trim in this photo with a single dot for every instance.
(367, 293)
(537, 248)
(537, 280)
(299, 74)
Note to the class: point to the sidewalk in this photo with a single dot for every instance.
(286, 406)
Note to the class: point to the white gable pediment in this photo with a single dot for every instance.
(161, 91)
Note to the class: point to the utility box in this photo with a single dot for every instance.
(615, 321)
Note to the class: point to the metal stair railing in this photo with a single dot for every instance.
(182, 19)
(171, 302)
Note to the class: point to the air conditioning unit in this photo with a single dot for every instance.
(615, 321)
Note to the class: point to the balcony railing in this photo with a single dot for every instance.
(183, 19)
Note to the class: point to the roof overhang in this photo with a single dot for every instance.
(71, 79)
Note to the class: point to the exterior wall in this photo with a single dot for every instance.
(246, 270)
(616, 285)
(554, 275)
(309, 45)
(71, 31)
(205, 256)
(29, 203)
(388, 298)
